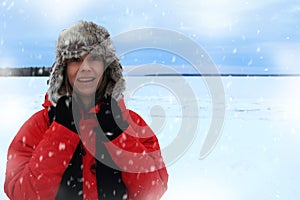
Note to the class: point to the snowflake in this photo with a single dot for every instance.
(62, 146)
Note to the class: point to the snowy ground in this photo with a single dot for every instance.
(255, 158)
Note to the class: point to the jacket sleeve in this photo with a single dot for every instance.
(137, 153)
(37, 158)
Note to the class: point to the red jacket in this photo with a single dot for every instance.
(39, 155)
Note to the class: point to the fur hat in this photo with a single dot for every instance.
(76, 41)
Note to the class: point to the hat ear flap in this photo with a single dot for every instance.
(118, 89)
(116, 86)
(56, 81)
(116, 71)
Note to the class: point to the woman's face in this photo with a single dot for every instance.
(85, 74)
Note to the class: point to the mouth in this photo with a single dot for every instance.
(85, 80)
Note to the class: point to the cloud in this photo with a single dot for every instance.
(58, 12)
(286, 57)
(31, 27)
(222, 18)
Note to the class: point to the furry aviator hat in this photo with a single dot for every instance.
(76, 41)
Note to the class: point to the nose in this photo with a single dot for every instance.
(85, 65)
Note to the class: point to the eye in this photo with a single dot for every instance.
(94, 57)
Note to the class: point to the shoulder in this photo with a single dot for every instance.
(39, 119)
(142, 129)
(131, 115)
(32, 131)
(136, 118)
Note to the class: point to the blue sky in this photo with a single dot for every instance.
(240, 36)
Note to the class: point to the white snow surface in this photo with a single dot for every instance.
(256, 156)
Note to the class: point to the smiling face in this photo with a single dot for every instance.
(85, 75)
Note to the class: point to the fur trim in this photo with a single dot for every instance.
(76, 41)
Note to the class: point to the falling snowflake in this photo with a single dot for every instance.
(24, 140)
(234, 51)
(130, 162)
(62, 146)
(50, 154)
(119, 152)
(21, 180)
(173, 59)
(152, 168)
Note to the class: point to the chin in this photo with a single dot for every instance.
(86, 93)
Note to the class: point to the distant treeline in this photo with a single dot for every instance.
(25, 71)
(45, 71)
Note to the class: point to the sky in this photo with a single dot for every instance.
(239, 36)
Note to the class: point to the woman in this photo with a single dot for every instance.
(85, 144)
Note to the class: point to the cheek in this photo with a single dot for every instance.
(98, 67)
(100, 73)
(71, 73)
(99, 70)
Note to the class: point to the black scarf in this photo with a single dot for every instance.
(71, 183)
(109, 179)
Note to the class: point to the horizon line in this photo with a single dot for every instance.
(45, 71)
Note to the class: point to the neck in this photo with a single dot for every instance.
(86, 101)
